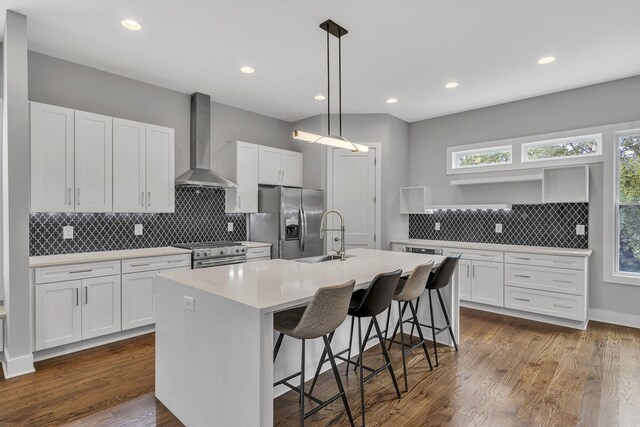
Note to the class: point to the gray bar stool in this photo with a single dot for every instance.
(326, 311)
(408, 290)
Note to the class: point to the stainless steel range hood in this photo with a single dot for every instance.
(200, 173)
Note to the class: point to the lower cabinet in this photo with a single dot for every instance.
(481, 281)
(74, 310)
(464, 279)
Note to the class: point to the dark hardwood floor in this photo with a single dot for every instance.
(508, 372)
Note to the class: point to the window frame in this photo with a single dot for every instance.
(627, 277)
(527, 145)
(455, 154)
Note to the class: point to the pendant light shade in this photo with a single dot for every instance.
(337, 141)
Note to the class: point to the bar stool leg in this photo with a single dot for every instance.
(386, 328)
(433, 328)
(366, 340)
(395, 330)
(417, 305)
(346, 371)
(322, 360)
(386, 356)
(416, 323)
(404, 362)
(336, 374)
(361, 347)
(302, 386)
(278, 344)
(446, 318)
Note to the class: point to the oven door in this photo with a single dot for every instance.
(215, 262)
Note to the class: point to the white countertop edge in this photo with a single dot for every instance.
(83, 257)
(496, 247)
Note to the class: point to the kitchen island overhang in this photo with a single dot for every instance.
(214, 365)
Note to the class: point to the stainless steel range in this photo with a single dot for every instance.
(213, 254)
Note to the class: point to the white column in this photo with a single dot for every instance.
(15, 198)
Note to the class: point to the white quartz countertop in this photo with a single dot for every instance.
(496, 247)
(48, 260)
(256, 244)
(273, 285)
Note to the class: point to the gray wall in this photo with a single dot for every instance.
(392, 133)
(607, 103)
(59, 82)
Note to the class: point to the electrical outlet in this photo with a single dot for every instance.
(437, 226)
(189, 303)
(229, 227)
(67, 232)
(498, 228)
(137, 229)
(580, 230)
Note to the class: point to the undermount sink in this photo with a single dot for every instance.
(321, 258)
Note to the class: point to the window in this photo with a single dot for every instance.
(628, 203)
(581, 146)
(482, 157)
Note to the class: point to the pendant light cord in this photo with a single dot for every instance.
(340, 81)
(328, 89)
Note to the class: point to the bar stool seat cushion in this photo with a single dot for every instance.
(356, 299)
(286, 321)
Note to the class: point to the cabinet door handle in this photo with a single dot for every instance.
(80, 271)
(139, 265)
(558, 261)
(562, 306)
(142, 198)
(562, 281)
(522, 275)
(149, 198)
(86, 295)
(473, 272)
(467, 270)
(174, 261)
(522, 259)
(77, 298)
(69, 196)
(239, 201)
(521, 299)
(78, 196)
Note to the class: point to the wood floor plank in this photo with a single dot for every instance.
(508, 372)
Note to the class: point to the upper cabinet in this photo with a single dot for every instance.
(242, 168)
(93, 162)
(143, 164)
(52, 168)
(87, 162)
(280, 167)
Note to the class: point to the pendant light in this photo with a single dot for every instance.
(337, 141)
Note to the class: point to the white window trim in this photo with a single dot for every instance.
(527, 145)
(517, 149)
(508, 148)
(611, 226)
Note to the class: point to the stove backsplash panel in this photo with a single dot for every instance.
(199, 216)
(551, 225)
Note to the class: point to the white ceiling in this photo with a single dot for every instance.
(404, 49)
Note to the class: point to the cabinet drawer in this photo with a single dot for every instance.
(61, 273)
(548, 303)
(258, 259)
(475, 254)
(155, 263)
(560, 261)
(263, 252)
(546, 278)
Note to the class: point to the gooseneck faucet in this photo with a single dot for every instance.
(342, 252)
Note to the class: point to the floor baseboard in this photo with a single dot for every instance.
(622, 319)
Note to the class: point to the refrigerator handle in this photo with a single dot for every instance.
(303, 228)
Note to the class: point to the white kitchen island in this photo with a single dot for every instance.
(214, 331)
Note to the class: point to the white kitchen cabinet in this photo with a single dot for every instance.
(464, 279)
(258, 253)
(291, 165)
(160, 169)
(129, 166)
(52, 158)
(397, 247)
(143, 167)
(269, 170)
(58, 314)
(242, 168)
(487, 283)
(93, 162)
(100, 306)
(279, 167)
(137, 299)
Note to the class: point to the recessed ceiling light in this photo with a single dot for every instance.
(247, 70)
(130, 24)
(451, 85)
(319, 97)
(391, 101)
(546, 60)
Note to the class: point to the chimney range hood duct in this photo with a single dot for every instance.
(200, 173)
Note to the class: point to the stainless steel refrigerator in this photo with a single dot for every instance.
(289, 219)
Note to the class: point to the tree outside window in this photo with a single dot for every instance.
(628, 206)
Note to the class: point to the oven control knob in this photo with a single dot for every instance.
(222, 252)
(206, 253)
